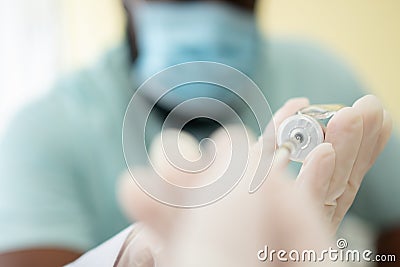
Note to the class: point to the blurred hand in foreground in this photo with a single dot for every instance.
(285, 213)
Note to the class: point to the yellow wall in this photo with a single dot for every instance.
(364, 32)
(89, 27)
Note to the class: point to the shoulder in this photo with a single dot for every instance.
(302, 68)
(55, 151)
(78, 98)
(299, 52)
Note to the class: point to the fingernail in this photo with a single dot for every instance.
(282, 155)
(143, 258)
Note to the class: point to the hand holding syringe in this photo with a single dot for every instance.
(353, 139)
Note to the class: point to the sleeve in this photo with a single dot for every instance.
(40, 194)
(108, 253)
(308, 70)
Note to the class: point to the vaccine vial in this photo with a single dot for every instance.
(302, 132)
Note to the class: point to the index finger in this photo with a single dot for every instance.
(344, 132)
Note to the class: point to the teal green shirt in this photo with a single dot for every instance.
(61, 156)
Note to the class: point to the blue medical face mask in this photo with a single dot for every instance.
(168, 33)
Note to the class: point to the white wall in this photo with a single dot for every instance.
(29, 52)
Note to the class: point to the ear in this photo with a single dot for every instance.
(130, 32)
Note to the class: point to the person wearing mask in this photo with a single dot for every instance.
(61, 156)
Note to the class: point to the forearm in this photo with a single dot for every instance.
(42, 257)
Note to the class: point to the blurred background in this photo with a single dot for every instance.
(44, 39)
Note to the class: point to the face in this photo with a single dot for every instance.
(168, 33)
(247, 5)
(242, 4)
